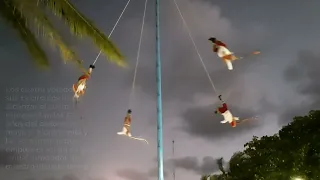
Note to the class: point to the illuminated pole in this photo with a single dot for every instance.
(159, 95)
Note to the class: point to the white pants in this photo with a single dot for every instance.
(222, 51)
(228, 117)
(81, 87)
(124, 132)
(229, 64)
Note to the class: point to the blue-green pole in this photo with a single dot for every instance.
(159, 95)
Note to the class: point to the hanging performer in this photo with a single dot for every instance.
(223, 52)
(127, 126)
(228, 117)
(80, 86)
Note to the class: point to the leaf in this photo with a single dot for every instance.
(31, 11)
(81, 26)
(18, 23)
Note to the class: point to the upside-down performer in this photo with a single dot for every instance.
(127, 126)
(225, 112)
(80, 87)
(225, 54)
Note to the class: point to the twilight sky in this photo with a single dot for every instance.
(277, 85)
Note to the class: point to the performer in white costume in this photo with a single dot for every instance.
(225, 112)
(126, 125)
(80, 87)
(224, 53)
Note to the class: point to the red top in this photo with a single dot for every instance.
(223, 109)
(217, 44)
(83, 77)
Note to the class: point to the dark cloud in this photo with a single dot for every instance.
(304, 75)
(70, 177)
(97, 179)
(182, 72)
(187, 163)
(132, 174)
(202, 122)
(208, 164)
(8, 158)
(185, 76)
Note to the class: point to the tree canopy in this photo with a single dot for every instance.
(29, 19)
(292, 153)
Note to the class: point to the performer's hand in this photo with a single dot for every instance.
(220, 97)
(92, 66)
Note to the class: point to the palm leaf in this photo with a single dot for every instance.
(81, 26)
(220, 165)
(33, 13)
(204, 177)
(18, 23)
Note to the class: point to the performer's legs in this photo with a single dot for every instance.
(229, 64)
(123, 131)
(233, 123)
(128, 133)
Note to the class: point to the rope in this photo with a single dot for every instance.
(174, 169)
(195, 46)
(138, 53)
(114, 27)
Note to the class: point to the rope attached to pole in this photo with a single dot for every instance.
(138, 54)
(195, 46)
(114, 27)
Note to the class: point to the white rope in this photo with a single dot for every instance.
(138, 53)
(195, 46)
(114, 27)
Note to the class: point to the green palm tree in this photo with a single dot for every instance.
(29, 19)
(220, 165)
(222, 176)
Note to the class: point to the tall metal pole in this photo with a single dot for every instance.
(159, 95)
(174, 168)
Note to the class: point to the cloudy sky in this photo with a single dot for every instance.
(275, 86)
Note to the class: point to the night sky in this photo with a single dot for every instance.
(280, 83)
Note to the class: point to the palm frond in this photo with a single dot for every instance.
(18, 23)
(81, 26)
(204, 177)
(220, 165)
(31, 11)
